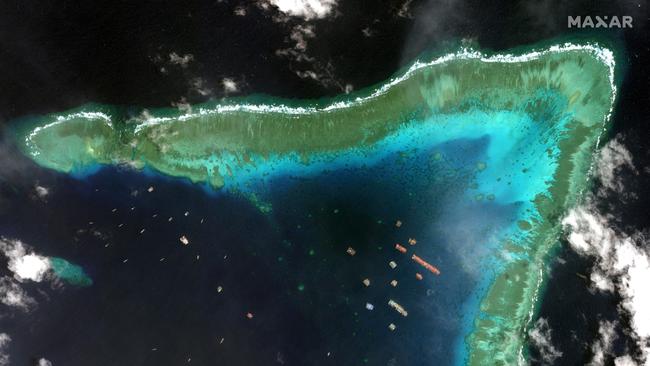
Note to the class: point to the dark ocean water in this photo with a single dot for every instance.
(290, 268)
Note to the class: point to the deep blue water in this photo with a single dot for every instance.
(289, 267)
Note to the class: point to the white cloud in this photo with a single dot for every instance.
(44, 362)
(618, 257)
(540, 338)
(603, 345)
(622, 261)
(24, 265)
(625, 361)
(11, 294)
(31, 266)
(306, 9)
(182, 61)
(4, 341)
(229, 85)
(601, 281)
(41, 191)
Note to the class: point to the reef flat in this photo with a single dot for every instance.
(542, 114)
(70, 273)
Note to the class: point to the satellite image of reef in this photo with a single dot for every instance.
(324, 182)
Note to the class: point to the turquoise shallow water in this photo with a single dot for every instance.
(69, 272)
(463, 181)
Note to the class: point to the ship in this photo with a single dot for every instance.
(426, 265)
(399, 308)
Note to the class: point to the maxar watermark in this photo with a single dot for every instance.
(599, 22)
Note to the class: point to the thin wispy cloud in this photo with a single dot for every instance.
(603, 344)
(13, 295)
(405, 10)
(541, 338)
(306, 66)
(614, 158)
(182, 61)
(4, 342)
(240, 11)
(183, 105)
(199, 86)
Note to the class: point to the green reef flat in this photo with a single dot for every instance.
(70, 273)
(544, 112)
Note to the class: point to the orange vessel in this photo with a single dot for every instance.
(426, 265)
(400, 248)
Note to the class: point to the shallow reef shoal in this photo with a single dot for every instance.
(541, 114)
